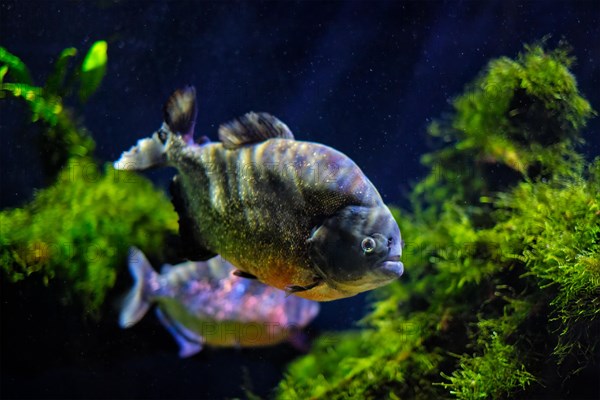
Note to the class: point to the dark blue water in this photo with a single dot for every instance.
(363, 77)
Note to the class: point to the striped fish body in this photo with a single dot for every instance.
(257, 205)
(298, 216)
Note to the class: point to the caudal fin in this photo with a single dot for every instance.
(147, 153)
(179, 121)
(180, 113)
(136, 303)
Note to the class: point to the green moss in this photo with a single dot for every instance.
(364, 364)
(519, 118)
(489, 375)
(501, 292)
(79, 230)
(553, 228)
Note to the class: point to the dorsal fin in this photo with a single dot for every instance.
(251, 128)
(180, 112)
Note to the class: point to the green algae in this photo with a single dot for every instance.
(501, 292)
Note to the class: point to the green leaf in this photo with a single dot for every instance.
(55, 82)
(93, 69)
(3, 71)
(18, 71)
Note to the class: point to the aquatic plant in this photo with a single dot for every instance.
(76, 233)
(64, 135)
(501, 295)
(520, 118)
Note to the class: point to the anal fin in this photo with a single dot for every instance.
(189, 342)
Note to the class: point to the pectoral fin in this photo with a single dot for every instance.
(243, 274)
(291, 289)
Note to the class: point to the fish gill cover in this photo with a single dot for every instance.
(502, 294)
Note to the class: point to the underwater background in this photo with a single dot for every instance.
(367, 78)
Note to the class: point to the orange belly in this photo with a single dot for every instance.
(281, 274)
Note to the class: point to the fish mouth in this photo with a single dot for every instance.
(391, 267)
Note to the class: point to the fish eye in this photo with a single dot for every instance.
(162, 136)
(368, 245)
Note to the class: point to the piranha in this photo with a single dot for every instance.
(296, 215)
(203, 303)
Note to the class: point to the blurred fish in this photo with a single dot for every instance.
(204, 303)
(298, 216)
